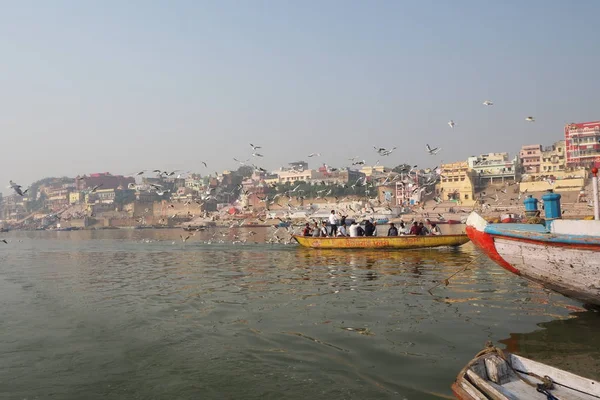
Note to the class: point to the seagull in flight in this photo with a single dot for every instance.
(451, 123)
(257, 155)
(314, 155)
(255, 147)
(17, 188)
(433, 151)
(488, 103)
(530, 119)
(241, 162)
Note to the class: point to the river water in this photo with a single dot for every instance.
(138, 314)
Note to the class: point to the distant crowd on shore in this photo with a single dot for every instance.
(339, 227)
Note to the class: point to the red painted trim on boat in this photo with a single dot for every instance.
(575, 246)
(485, 242)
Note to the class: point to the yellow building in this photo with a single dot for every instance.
(553, 158)
(76, 198)
(370, 170)
(456, 183)
(293, 176)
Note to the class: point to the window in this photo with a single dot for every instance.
(466, 197)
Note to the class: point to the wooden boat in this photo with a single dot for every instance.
(394, 242)
(498, 375)
(563, 255)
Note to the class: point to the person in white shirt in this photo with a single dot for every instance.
(324, 229)
(333, 221)
(353, 229)
(342, 231)
(435, 230)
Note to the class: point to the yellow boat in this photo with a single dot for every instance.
(382, 242)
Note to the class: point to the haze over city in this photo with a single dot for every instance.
(119, 87)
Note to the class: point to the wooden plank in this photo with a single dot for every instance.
(479, 368)
(559, 376)
(465, 391)
(485, 387)
(497, 369)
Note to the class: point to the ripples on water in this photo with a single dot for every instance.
(129, 314)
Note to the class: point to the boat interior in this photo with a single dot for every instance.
(491, 376)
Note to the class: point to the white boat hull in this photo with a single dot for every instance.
(573, 272)
(558, 259)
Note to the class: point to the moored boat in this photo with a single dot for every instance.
(562, 255)
(494, 374)
(393, 242)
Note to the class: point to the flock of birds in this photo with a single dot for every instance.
(405, 175)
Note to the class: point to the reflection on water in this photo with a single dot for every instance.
(139, 314)
(570, 344)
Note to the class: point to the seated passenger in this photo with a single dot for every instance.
(435, 230)
(353, 229)
(307, 230)
(393, 231)
(414, 229)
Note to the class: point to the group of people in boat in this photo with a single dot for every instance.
(339, 227)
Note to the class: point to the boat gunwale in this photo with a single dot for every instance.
(381, 237)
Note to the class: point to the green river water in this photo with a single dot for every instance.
(137, 314)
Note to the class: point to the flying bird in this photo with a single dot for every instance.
(488, 103)
(257, 155)
(314, 155)
(241, 162)
(433, 151)
(255, 147)
(451, 123)
(530, 119)
(205, 166)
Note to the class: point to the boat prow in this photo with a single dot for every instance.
(494, 374)
(562, 255)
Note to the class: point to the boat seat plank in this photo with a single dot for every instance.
(472, 390)
(485, 386)
(517, 389)
(559, 376)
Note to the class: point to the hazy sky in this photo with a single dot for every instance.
(90, 86)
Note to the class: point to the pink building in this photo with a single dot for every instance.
(583, 144)
(531, 158)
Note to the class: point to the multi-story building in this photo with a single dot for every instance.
(13, 208)
(493, 168)
(298, 165)
(456, 183)
(194, 182)
(531, 158)
(553, 158)
(104, 180)
(76, 197)
(295, 176)
(340, 177)
(104, 196)
(369, 170)
(582, 143)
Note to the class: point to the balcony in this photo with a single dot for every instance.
(584, 132)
